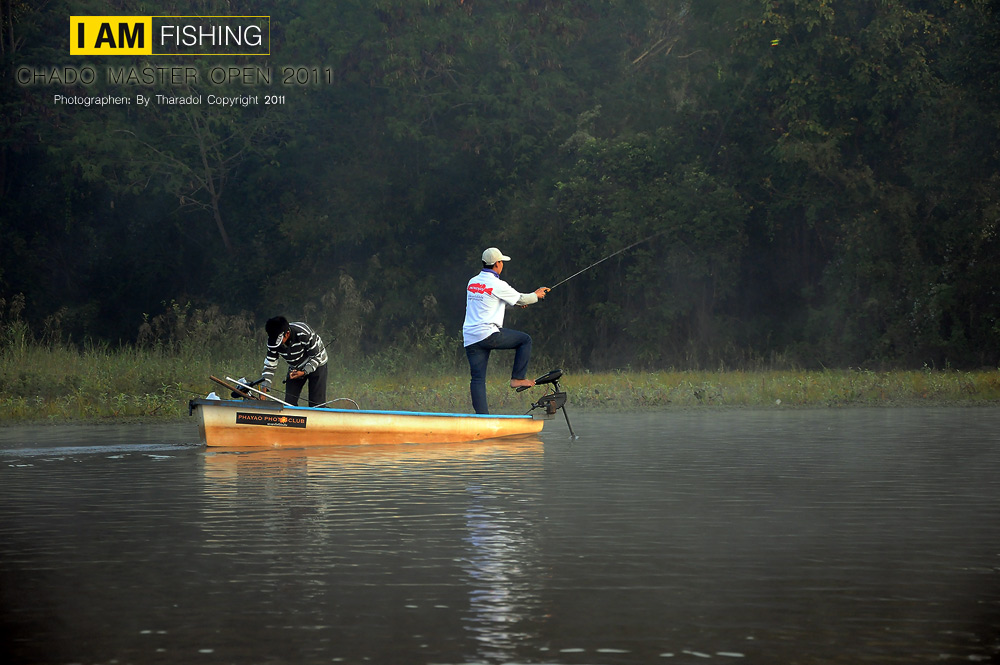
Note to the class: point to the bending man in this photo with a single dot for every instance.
(486, 298)
(305, 354)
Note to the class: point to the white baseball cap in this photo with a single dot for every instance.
(492, 255)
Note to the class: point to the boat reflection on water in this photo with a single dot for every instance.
(225, 464)
(424, 527)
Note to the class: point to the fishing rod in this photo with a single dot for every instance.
(623, 249)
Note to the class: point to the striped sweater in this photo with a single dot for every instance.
(304, 351)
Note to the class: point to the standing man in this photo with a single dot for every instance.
(486, 298)
(305, 354)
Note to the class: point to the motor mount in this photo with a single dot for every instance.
(551, 402)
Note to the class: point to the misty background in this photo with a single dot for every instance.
(818, 180)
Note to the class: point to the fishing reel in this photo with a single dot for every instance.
(240, 391)
(553, 401)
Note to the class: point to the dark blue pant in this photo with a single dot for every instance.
(479, 357)
(317, 387)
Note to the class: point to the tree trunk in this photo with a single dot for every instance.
(209, 179)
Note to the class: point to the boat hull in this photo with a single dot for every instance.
(268, 424)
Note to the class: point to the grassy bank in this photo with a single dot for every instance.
(62, 383)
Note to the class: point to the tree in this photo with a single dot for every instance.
(664, 302)
(848, 104)
(193, 152)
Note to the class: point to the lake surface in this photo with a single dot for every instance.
(742, 536)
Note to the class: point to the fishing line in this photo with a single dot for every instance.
(623, 249)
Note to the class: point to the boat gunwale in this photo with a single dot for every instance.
(274, 406)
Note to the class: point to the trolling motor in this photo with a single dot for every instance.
(552, 401)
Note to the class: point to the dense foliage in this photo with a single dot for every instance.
(814, 182)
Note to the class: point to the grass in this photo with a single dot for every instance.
(62, 383)
(783, 389)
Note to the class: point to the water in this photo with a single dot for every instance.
(819, 536)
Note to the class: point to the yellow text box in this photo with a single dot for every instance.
(111, 35)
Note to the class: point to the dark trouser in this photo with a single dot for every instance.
(479, 356)
(317, 387)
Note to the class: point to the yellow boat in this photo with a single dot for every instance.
(262, 420)
(256, 423)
